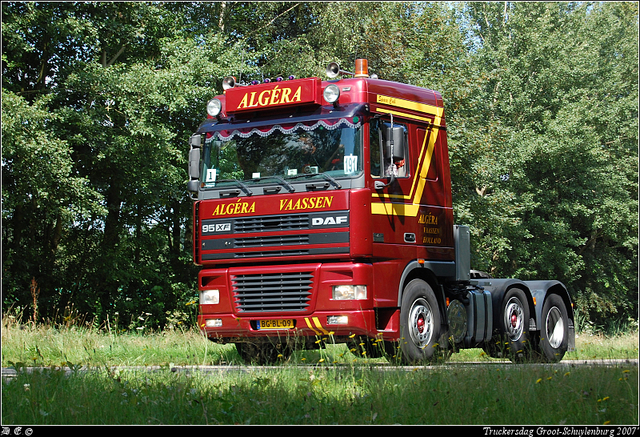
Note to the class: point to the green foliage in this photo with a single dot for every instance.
(555, 190)
(99, 100)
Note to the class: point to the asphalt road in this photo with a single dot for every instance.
(10, 372)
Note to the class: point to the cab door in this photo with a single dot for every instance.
(410, 205)
(391, 182)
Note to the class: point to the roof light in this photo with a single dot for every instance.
(214, 107)
(362, 68)
(331, 93)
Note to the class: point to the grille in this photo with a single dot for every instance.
(272, 292)
(272, 223)
(276, 240)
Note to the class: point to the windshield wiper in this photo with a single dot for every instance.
(239, 183)
(286, 184)
(324, 175)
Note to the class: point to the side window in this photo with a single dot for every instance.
(389, 148)
(375, 147)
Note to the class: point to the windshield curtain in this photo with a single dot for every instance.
(255, 155)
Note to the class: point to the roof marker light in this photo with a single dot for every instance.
(362, 68)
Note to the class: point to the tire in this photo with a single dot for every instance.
(419, 322)
(554, 330)
(514, 325)
(263, 352)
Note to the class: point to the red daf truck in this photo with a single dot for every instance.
(323, 210)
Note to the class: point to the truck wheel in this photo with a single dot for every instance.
(514, 321)
(263, 353)
(554, 334)
(419, 322)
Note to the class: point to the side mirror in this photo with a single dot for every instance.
(393, 139)
(192, 186)
(393, 142)
(194, 163)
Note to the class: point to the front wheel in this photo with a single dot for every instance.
(419, 322)
(262, 353)
(554, 335)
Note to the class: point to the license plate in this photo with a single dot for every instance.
(275, 324)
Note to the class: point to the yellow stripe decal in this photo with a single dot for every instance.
(426, 154)
(309, 325)
(403, 114)
(319, 326)
(411, 105)
(318, 329)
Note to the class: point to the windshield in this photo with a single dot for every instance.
(329, 149)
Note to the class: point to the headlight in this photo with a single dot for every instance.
(209, 297)
(331, 93)
(214, 107)
(349, 292)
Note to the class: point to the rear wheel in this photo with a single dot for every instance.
(513, 337)
(554, 333)
(419, 322)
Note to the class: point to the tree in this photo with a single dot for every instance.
(42, 195)
(556, 177)
(99, 100)
(117, 89)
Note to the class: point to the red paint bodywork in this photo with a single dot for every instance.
(375, 253)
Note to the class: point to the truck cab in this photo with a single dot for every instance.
(324, 209)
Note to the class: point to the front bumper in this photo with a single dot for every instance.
(317, 324)
(250, 313)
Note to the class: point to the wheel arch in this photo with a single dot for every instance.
(541, 290)
(428, 272)
(535, 291)
(498, 288)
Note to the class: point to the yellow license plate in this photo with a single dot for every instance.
(275, 324)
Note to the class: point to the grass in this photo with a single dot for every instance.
(334, 388)
(327, 395)
(48, 345)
